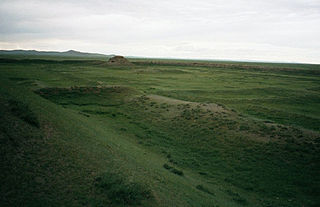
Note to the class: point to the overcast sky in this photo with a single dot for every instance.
(270, 30)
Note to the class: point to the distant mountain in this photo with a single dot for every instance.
(69, 53)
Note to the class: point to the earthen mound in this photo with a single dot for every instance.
(119, 60)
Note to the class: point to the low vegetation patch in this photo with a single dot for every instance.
(173, 170)
(23, 111)
(121, 191)
(236, 197)
(204, 189)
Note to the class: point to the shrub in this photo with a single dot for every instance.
(176, 171)
(203, 173)
(243, 128)
(166, 166)
(173, 170)
(236, 197)
(22, 111)
(240, 200)
(204, 189)
(121, 191)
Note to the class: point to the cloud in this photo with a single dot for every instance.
(275, 30)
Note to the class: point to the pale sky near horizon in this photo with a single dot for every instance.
(261, 30)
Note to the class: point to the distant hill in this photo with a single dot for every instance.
(69, 53)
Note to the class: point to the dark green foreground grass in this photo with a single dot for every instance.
(83, 133)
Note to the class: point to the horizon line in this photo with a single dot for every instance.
(171, 58)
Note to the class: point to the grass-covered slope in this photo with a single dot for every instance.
(82, 133)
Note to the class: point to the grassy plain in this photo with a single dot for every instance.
(159, 133)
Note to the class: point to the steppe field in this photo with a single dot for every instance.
(158, 132)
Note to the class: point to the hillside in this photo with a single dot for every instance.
(89, 133)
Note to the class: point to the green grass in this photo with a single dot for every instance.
(160, 133)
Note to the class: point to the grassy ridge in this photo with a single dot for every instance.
(180, 135)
